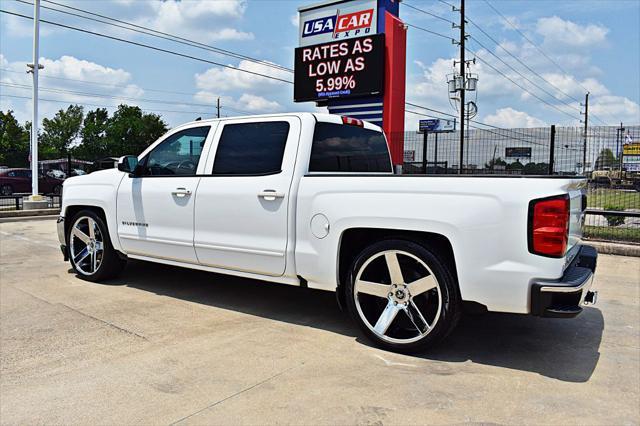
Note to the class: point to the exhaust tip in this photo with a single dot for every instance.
(591, 298)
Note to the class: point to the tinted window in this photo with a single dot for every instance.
(343, 148)
(178, 154)
(251, 148)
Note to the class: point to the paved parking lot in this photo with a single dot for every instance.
(164, 345)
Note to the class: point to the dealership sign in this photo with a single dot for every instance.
(338, 21)
(353, 67)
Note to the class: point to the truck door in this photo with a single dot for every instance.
(155, 209)
(241, 217)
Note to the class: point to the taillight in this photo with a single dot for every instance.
(549, 226)
(352, 121)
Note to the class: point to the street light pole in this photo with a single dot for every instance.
(35, 68)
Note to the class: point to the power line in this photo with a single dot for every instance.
(431, 32)
(147, 46)
(100, 95)
(100, 105)
(505, 19)
(520, 74)
(529, 40)
(105, 84)
(518, 59)
(521, 87)
(155, 33)
(428, 13)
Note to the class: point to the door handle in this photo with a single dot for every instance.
(181, 192)
(270, 194)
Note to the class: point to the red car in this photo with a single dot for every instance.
(19, 180)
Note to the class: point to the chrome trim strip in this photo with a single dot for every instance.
(567, 289)
(157, 240)
(239, 250)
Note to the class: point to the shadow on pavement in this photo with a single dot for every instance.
(563, 349)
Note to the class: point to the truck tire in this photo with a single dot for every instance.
(402, 296)
(91, 253)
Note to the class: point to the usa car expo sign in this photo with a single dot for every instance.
(340, 54)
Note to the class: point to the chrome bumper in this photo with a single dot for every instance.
(564, 298)
(62, 237)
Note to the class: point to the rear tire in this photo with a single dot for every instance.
(57, 190)
(402, 296)
(91, 253)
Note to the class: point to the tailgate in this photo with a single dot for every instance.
(578, 204)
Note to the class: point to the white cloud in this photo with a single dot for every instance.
(58, 78)
(615, 109)
(557, 31)
(226, 79)
(511, 118)
(255, 103)
(295, 20)
(202, 20)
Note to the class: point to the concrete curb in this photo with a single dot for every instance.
(617, 249)
(28, 213)
(27, 218)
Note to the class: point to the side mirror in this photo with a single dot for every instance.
(128, 164)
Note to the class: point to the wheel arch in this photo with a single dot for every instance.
(72, 210)
(354, 240)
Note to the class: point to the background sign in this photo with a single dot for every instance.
(436, 126)
(353, 67)
(338, 21)
(631, 149)
(520, 152)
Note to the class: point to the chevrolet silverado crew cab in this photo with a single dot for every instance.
(311, 200)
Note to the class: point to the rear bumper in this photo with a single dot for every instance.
(564, 298)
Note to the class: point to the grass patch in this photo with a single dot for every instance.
(608, 233)
(624, 199)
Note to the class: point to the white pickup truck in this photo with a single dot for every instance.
(311, 200)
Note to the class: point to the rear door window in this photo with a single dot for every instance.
(344, 148)
(251, 148)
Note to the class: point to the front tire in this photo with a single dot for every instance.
(402, 296)
(91, 253)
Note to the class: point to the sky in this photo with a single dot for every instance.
(555, 49)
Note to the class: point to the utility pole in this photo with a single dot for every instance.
(462, 87)
(586, 128)
(218, 107)
(34, 68)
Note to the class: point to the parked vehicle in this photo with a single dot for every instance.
(55, 173)
(311, 200)
(19, 181)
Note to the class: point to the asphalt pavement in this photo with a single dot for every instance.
(163, 345)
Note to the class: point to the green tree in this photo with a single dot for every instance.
(94, 143)
(516, 165)
(14, 141)
(605, 159)
(60, 132)
(495, 162)
(130, 131)
(536, 169)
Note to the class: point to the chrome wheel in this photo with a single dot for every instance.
(397, 296)
(86, 245)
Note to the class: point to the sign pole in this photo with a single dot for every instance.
(425, 137)
(435, 155)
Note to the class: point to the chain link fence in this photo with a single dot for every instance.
(608, 156)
